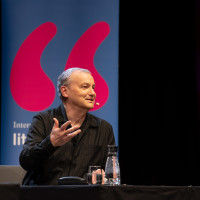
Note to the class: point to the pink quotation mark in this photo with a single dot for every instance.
(83, 55)
(31, 88)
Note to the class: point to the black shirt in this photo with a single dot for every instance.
(45, 163)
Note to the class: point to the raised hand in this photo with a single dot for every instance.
(60, 136)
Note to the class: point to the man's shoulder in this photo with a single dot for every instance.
(52, 112)
(97, 120)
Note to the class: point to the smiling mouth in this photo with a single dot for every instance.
(92, 100)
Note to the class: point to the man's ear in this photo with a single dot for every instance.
(64, 91)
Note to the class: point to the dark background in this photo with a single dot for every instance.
(159, 141)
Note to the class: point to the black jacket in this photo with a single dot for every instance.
(45, 163)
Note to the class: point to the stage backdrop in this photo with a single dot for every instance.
(41, 39)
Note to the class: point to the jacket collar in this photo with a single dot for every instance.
(91, 120)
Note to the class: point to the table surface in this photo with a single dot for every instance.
(77, 192)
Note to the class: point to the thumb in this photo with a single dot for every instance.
(56, 123)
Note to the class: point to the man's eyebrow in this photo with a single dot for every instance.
(85, 83)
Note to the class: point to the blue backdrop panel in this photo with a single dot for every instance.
(38, 37)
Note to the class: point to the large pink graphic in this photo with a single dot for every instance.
(83, 55)
(31, 88)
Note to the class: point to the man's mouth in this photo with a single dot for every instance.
(90, 100)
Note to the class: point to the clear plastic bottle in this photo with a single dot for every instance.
(112, 169)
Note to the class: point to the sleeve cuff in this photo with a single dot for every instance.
(47, 145)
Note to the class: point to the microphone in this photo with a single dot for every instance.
(97, 103)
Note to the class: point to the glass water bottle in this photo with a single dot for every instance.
(112, 169)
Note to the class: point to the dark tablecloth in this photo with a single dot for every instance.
(124, 192)
(75, 192)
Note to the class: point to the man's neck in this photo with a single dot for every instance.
(75, 115)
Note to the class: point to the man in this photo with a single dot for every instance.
(64, 141)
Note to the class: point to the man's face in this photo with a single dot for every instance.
(80, 91)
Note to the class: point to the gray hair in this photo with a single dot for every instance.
(63, 79)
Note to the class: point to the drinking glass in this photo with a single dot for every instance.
(94, 175)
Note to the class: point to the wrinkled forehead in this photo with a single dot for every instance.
(81, 77)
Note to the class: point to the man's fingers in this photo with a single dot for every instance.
(65, 125)
(71, 130)
(60, 136)
(56, 123)
(73, 134)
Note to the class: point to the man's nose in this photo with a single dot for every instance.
(92, 92)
